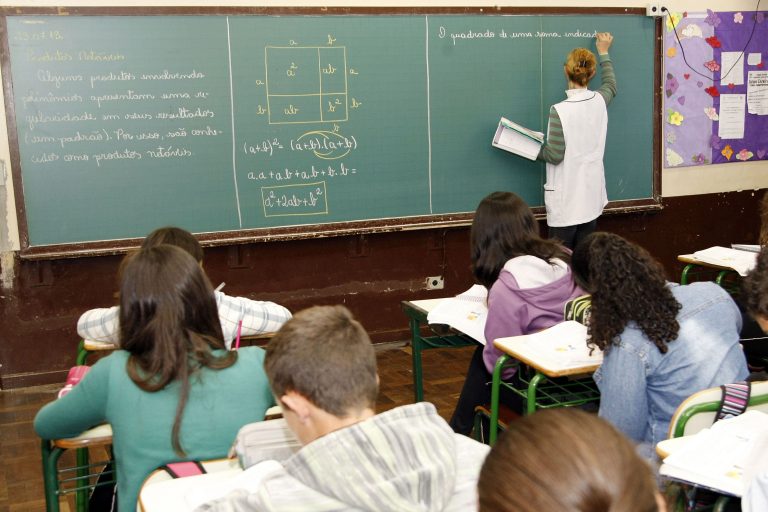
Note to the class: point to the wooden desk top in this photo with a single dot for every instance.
(423, 306)
(667, 447)
(690, 259)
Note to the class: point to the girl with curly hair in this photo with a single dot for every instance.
(528, 281)
(662, 342)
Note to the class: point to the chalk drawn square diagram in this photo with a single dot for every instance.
(306, 84)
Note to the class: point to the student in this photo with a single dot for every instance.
(662, 341)
(753, 335)
(322, 369)
(257, 317)
(755, 290)
(764, 220)
(174, 392)
(574, 193)
(566, 459)
(528, 281)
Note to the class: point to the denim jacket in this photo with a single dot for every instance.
(640, 388)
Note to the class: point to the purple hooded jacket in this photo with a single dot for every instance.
(513, 311)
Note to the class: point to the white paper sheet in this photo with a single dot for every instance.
(757, 92)
(467, 312)
(753, 59)
(732, 111)
(732, 63)
(724, 457)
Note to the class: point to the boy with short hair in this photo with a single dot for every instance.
(322, 369)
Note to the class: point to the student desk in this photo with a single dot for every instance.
(88, 347)
(417, 311)
(694, 266)
(542, 390)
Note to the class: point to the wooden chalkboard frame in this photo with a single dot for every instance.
(307, 231)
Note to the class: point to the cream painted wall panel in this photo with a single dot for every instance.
(675, 182)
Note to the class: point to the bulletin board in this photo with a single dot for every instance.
(715, 87)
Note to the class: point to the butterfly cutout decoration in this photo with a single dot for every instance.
(671, 85)
(712, 18)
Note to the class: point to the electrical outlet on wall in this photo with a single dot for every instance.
(435, 283)
(655, 9)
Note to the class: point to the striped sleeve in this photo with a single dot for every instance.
(258, 317)
(101, 324)
(608, 81)
(553, 150)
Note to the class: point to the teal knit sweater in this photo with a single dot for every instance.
(220, 402)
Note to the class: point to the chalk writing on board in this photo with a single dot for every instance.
(304, 199)
(315, 172)
(327, 145)
(306, 84)
(478, 35)
(168, 116)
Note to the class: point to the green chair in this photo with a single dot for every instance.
(81, 478)
(87, 347)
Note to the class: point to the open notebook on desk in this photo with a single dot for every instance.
(466, 312)
(725, 457)
(260, 447)
(739, 260)
(559, 348)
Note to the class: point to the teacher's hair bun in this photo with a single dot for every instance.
(580, 66)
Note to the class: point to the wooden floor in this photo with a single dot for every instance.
(21, 483)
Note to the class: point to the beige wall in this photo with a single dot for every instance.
(675, 182)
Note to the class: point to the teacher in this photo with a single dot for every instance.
(574, 193)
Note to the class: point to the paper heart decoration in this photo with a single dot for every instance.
(671, 85)
(681, 100)
(687, 76)
(731, 86)
(760, 153)
(699, 84)
(712, 91)
(713, 41)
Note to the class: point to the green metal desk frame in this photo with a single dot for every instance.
(541, 392)
(694, 268)
(417, 318)
(76, 479)
(724, 276)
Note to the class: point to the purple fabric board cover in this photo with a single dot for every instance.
(692, 90)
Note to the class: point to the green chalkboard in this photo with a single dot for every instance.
(260, 124)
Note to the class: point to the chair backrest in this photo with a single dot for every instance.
(699, 410)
